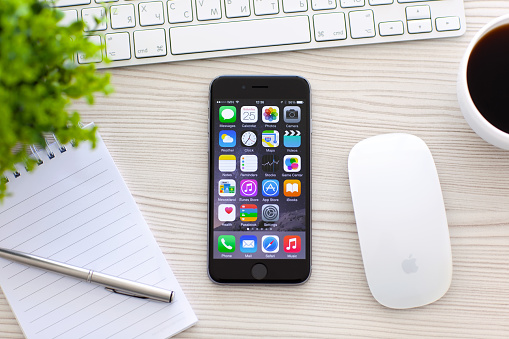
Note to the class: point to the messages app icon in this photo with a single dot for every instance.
(227, 114)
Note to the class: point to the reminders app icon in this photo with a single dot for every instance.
(248, 243)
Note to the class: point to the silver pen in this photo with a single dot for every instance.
(111, 283)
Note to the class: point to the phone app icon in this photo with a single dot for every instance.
(270, 212)
(292, 114)
(226, 212)
(248, 243)
(292, 163)
(270, 188)
(291, 138)
(248, 212)
(249, 163)
(249, 138)
(227, 188)
(270, 244)
(270, 138)
(248, 188)
(226, 243)
(227, 163)
(227, 138)
(292, 188)
(270, 163)
(227, 114)
(249, 114)
(270, 114)
(291, 244)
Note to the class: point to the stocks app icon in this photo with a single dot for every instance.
(270, 212)
(270, 163)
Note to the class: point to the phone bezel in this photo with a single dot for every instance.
(280, 271)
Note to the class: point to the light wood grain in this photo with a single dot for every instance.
(155, 127)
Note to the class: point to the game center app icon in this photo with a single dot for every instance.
(270, 138)
(270, 244)
(249, 114)
(292, 163)
(227, 114)
(227, 138)
(291, 244)
(270, 114)
(248, 212)
(226, 243)
(248, 243)
(226, 212)
(226, 188)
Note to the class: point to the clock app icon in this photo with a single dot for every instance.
(248, 138)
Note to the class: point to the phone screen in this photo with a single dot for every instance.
(260, 176)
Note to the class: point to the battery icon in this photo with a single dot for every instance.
(300, 102)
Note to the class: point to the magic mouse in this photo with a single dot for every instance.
(401, 221)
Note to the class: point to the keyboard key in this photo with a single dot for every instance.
(98, 57)
(118, 46)
(419, 26)
(179, 11)
(149, 43)
(151, 13)
(237, 8)
(208, 9)
(330, 26)
(89, 16)
(362, 24)
(389, 28)
(265, 7)
(292, 6)
(122, 16)
(380, 2)
(70, 16)
(318, 5)
(65, 3)
(351, 3)
(450, 23)
(417, 12)
(240, 34)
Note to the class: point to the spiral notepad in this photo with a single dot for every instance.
(75, 208)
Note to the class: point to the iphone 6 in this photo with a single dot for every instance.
(259, 203)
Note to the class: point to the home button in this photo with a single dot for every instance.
(259, 271)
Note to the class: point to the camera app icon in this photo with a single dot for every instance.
(292, 114)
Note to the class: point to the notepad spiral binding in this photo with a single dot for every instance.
(34, 149)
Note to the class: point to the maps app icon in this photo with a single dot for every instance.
(270, 138)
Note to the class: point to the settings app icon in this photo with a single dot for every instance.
(270, 212)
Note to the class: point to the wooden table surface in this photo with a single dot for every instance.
(155, 127)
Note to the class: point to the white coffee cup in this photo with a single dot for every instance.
(475, 119)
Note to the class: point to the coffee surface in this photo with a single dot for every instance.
(488, 77)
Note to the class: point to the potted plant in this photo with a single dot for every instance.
(39, 78)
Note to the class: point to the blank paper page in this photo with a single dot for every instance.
(75, 208)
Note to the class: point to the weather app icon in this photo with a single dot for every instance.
(270, 188)
(227, 138)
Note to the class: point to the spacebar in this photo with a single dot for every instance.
(239, 34)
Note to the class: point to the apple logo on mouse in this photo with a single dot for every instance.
(409, 265)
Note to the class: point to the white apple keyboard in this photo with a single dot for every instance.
(144, 32)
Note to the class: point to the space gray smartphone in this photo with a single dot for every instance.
(259, 203)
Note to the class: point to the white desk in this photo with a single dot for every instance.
(155, 127)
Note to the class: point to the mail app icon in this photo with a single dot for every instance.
(248, 243)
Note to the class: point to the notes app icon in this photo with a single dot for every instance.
(227, 163)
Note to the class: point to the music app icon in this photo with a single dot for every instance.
(292, 244)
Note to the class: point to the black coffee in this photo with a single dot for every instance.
(488, 77)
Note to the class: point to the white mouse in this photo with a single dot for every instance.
(401, 220)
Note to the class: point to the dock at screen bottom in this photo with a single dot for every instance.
(266, 245)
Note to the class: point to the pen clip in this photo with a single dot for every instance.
(129, 294)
